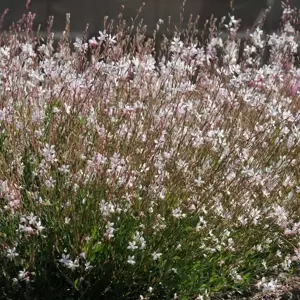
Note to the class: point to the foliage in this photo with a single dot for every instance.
(130, 177)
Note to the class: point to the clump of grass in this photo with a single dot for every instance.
(132, 178)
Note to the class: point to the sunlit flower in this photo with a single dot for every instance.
(131, 260)
(11, 253)
(156, 255)
(93, 43)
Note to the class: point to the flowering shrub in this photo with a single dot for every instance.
(131, 178)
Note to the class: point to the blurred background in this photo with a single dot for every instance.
(94, 11)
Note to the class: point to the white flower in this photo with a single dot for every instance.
(31, 218)
(112, 39)
(73, 265)
(131, 260)
(88, 266)
(64, 169)
(39, 226)
(109, 230)
(27, 49)
(67, 108)
(256, 37)
(233, 20)
(49, 153)
(268, 286)
(103, 36)
(11, 253)
(55, 110)
(106, 208)
(178, 247)
(49, 183)
(156, 255)
(65, 259)
(142, 244)
(22, 274)
(201, 224)
(177, 213)
(132, 246)
(150, 290)
(238, 277)
(203, 297)
(199, 181)
(79, 45)
(139, 239)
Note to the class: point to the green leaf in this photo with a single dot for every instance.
(95, 233)
(76, 284)
(246, 278)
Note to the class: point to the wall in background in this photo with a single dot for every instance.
(93, 11)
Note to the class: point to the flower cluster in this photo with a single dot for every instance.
(176, 172)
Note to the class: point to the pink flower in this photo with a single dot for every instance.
(15, 203)
(295, 88)
(93, 43)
